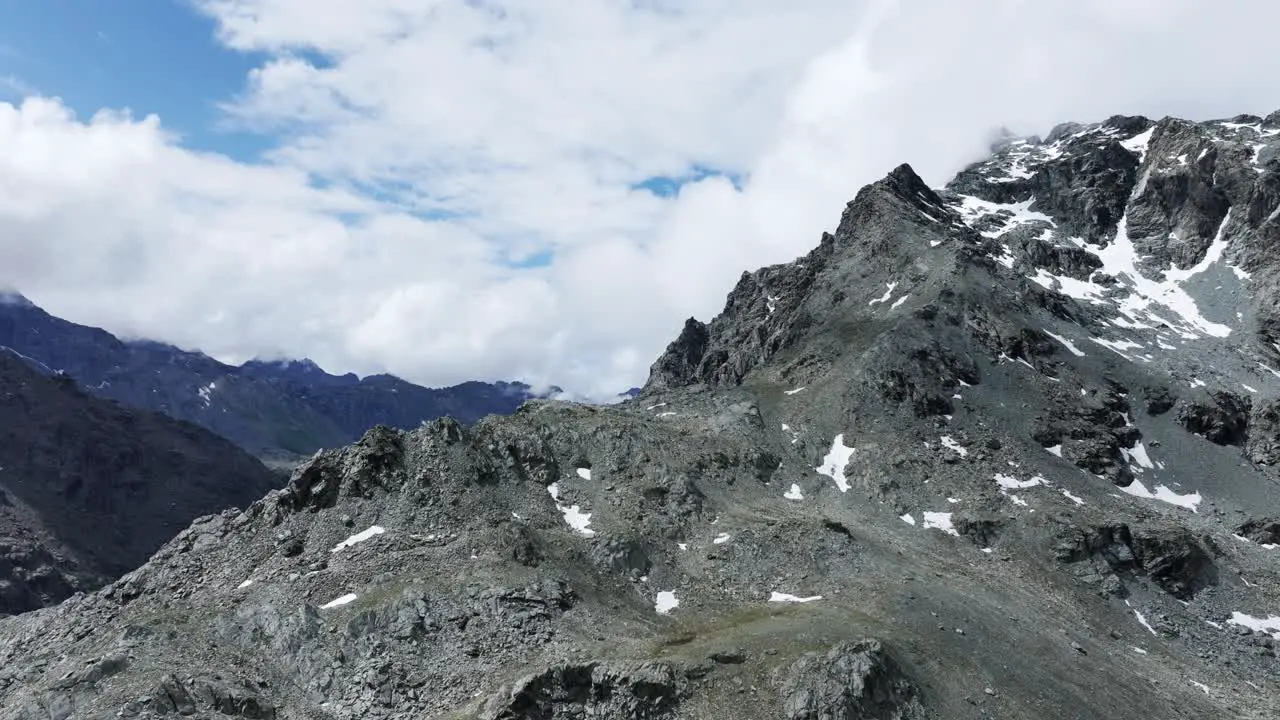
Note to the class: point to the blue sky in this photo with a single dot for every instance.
(155, 56)
(151, 56)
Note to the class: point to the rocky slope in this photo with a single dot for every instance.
(276, 410)
(89, 490)
(1004, 449)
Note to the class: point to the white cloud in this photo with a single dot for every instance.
(522, 127)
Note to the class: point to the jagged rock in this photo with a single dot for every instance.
(1225, 422)
(624, 556)
(984, 531)
(1032, 252)
(648, 691)
(1180, 209)
(1098, 430)
(1173, 559)
(1262, 444)
(1264, 531)
(681, 363)
(1159, 400)
(851, 681)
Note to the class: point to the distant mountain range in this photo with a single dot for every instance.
(278, 410)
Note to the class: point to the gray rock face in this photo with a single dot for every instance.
(1026, 447)
(852, 681)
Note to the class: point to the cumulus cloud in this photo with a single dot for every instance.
(425, 149)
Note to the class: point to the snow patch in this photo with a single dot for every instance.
(776, 596)
(795, 436)
(899, 301)
(940, 521)
(1138, 143)
(206, 393)
(1066, 343)
(1145, 624)
(244, 584)
(1072, 498)
(972, 209)
(887, 294)
(343, 600)
(794, 493)
(908, 519)
(1138, 453)
(793, 392)
(1187, 500)
(1055, 449)
(666, 602)
(1121, 258)
(1009, 482)
(584, 473)
(951, 444)
(834, 463)
(573, 514)
(1266, 625)
(359, 537)
(721, 539)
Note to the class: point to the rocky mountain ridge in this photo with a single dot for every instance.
(1002, 449)
(279, 410)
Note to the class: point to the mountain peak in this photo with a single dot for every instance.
(14, 298)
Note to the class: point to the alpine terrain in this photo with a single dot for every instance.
(89, 490)
(277, 410)
(1003, 449)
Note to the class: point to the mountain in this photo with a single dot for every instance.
(89, 490)
(1001, 449)
(276, 410)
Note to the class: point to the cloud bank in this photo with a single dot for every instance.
(456, 187)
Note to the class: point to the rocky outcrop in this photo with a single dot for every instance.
(1084, 187)
(1264, 531)
(32, 575)
(777, 307)
(649, 691)
(1262, 442)
(851, 681)
(1225, 421)
(1172, 558)
(1092, 432)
